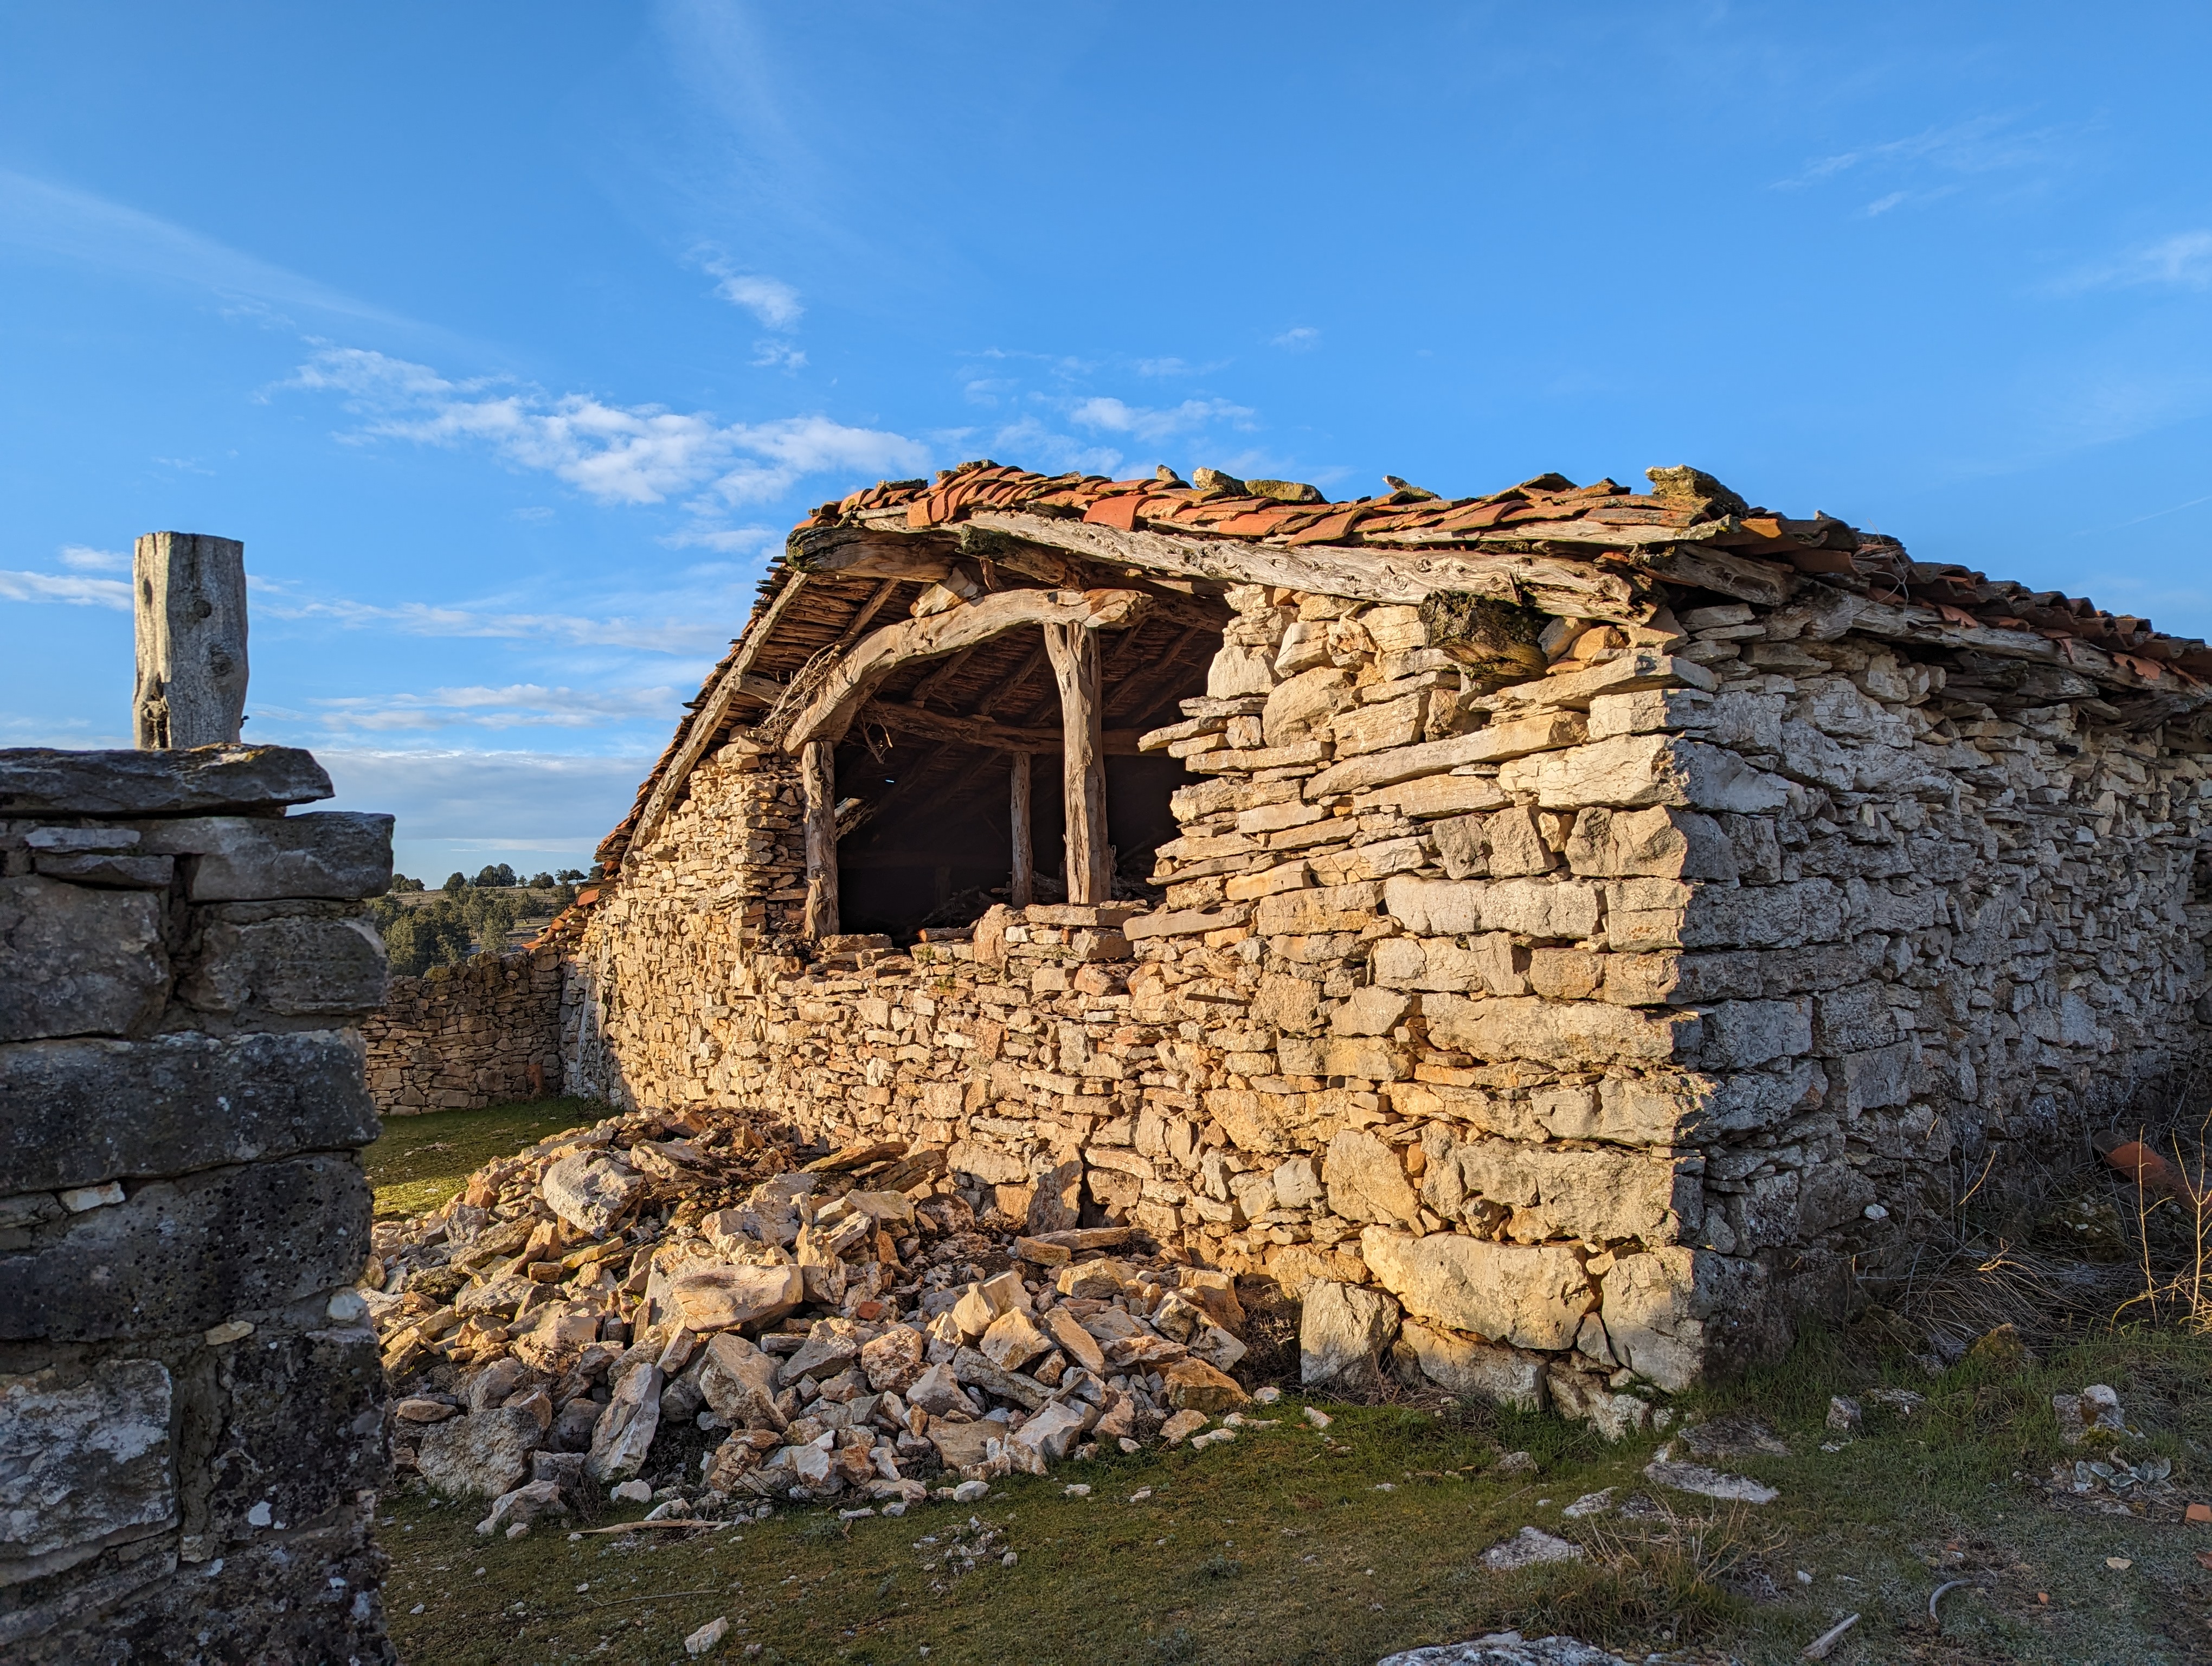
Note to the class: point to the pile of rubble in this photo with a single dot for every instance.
(595, 1310)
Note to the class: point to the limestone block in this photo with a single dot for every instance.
(726, 1296)
(1192, 1385)
(125, 873)
(297, 968)
(624, 1434)
(1305, 645)
(1287, 1003)
(1366, 1181)
(1370, 1058)
(483, 1455)
(338, 853)
(1666, 913)
(1012, 1340)
(1435, 907)
(1879, 1077)
(1642, 668)
(1343, 1331)
(592, 1191)
(1565, 973)
(304, 1432)
(1741, 1034)
(188, 1254)
(1434, 795)
(1632, 771)
(1469, 1369)
(1434, 757)
(76, 961)
(1516, 844)
(1297, 1184)
(1596, 1195)
(1051, 1434)
(1369, 1011)
(1530, 1296)
(1540, 907)
(1240, 669)
(1347, 908)
(85, 1463)
(1300, 708)
(1673, 1314)
(78, 1113)
(1671, 978)
(738, 1383)
(1663, 841)
(199, 781)
(1376, 728)
(1462, 847)
(1742, 721)
(1564, 1033)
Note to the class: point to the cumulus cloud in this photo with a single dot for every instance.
(615, 453)
(454, 803)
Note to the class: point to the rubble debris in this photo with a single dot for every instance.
(1529, 1547)
(691, 1301)
(1669, 1471)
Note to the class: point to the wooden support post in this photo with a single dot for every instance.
(1075, 667)
(1021, 890)
(817, 774)
(190, 597)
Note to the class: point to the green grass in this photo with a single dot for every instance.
(1283, 1549)
(421, 1161)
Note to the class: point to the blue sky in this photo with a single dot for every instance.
(510, 337)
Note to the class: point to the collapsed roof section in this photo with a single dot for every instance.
(1599, 552)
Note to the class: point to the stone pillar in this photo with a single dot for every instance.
(1075, 667)
(190, 1398)
(189, 592)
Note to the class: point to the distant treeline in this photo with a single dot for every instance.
(468, 916)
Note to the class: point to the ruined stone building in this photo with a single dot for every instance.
(1591, 924)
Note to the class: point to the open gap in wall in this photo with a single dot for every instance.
(925, 777)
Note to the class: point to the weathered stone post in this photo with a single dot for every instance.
(190, 1398)
(188, 593)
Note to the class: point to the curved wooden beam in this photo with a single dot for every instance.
(876, 656)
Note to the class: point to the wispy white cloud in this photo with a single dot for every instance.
(83, 558)
(69, 588)
(1303, 338)
(2183, 261)
(64, 223)
(451, 801)
(1112, 416)
(518, 705)
(778, 355)
(770, 300)
(1942, 158)
(615, 453)
(688, 635)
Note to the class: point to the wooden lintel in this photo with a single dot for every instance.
(876, 656)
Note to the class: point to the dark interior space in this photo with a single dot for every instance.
(925, 820)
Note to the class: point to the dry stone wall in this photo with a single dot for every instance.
(191, 1397)
(1564, 1036)
(484, 1033)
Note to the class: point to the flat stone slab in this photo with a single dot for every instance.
(78, 1113)
(42, 781)
(1507, 1649)
(83, 1465)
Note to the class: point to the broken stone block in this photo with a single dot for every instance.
(483, 1455)
(1343, 1330)
(1195, 1386)
(1052, 1433)
(624, 1434)
(591, 1192)
(293, 967)
(1533, 1296)
(1012, 1341)
(1366, 1181)
(894, 1360)
(740, 1382)
(1632, 771)
(1471, 1369)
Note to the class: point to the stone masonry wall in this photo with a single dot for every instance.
(484, 1032)
(1590, 1024)
(190, 1396)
